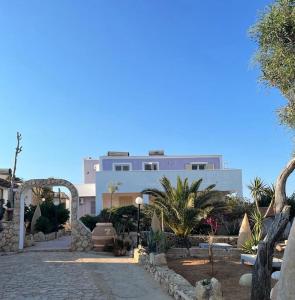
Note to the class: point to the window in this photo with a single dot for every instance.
(198, 166)
(92, 207)
(151, 166)
(122, 167)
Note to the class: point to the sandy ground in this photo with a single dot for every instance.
(226, 271)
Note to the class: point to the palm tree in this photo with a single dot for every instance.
(257, 189)
(183, 206)
(112, 189)
(269, 191)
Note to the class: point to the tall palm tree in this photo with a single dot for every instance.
(257, 189)
(183, 206)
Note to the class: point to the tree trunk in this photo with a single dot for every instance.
(261, 280)
(263, 266)
(280, 192)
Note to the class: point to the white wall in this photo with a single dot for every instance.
(86, 190)
(90, 167)
(136, 181)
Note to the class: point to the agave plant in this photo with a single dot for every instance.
(184, 205)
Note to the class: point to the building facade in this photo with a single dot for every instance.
(132, 174)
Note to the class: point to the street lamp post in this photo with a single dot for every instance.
(138, 201)
(56, 203)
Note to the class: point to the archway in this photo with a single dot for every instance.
(81, 235)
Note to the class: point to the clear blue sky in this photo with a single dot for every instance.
(79, 78)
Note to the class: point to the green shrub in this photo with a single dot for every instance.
(89, 221)
(156, 242)
(55, 214)
(43, 224)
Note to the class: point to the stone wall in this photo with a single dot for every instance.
(196, 239)
(9, 236)
(174, 284)
(197, 252)
(81, 235)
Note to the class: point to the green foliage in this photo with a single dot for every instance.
(250, 246)
(257, 189)
(57, 215)
(291, 202)
(124, 219)
(156, 242)
(275, 35)
(257, 219)
(121, 247)
(184, 206)
(44, 224)
(90, 221)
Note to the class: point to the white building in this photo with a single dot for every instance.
(136, 173)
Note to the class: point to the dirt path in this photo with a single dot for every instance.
(66, 275)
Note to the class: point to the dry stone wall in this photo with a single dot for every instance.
(81, 235)
(9, 237)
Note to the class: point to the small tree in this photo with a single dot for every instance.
(113, 187)
(275, 35)
(18, 150)
(257, 189)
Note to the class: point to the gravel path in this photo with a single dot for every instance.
(72, 275)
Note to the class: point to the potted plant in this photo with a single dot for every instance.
(121, 247)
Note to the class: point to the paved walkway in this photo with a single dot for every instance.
(72, 275)
(61, 244)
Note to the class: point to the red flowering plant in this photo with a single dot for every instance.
(213, 223)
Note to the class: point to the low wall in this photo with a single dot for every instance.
(174, 284)
(197, 252)
(9, 236)
(196, 239)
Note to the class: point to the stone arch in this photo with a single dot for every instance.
(81, 236)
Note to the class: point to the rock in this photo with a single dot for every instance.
(276, 275)
(157, 259)
(245, 232)
(208, 289)
(274, 292)
(286, 286)
(156, 226)
(39, 237)
(246, 280)
(160, 259)
(36, 216)
(286, 231)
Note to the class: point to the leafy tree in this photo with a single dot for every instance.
(185, 205)
(51, 212)
(274, 33)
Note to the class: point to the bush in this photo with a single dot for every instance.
(124, 219)
(44, 224)
(156, 242)
(89, 221)
(55, 214)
